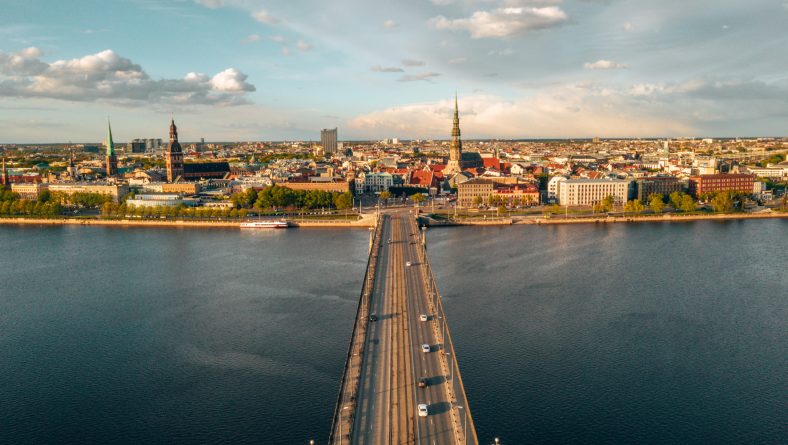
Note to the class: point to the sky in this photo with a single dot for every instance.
(242, 70)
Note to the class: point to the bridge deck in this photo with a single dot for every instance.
(379, 395)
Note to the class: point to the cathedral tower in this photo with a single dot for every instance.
(174, 155)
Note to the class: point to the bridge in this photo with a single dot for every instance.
(401, 358)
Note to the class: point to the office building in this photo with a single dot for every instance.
(328, 139)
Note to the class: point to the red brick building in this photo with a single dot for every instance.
(698, 185)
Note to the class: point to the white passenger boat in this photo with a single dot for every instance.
(264, 225)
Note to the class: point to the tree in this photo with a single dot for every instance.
(477, 201)
(418, 198)
(656, 203)
(384, 196)
(344, 201)
(687, 204)
(675, 200)
(722, 202)
(634, 206)
(605, 205)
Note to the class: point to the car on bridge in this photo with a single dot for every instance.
(425, 348)
(423, 410)
(373, 317)
(423, 383)
(408, 263)
(424, 317)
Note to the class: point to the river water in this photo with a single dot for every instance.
(643, 333)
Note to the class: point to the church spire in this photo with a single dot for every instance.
(456, 142)
(110, 143)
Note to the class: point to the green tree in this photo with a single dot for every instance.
(687, 204)
(344, 201)
(722, 202)
(633, 206)
(477, 201)
(675, 200)
(384, 196)
(656, 203)
(418, 198)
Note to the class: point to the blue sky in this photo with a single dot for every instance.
(272, 70)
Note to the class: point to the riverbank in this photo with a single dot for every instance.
(539, 219)
(668, 217)
(365, 222)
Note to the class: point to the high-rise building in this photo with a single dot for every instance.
(174, 155)
(137, 146)
(328, 139)
(112, 160)
(455, 152)
(4, 176)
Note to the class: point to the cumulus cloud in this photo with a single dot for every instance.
(390, 69)
(503, 22)
(303, 46)
(412, 62)
(628, 27)
(265, 17)
(390, 24)
(109, 77)
(418, 77)
(458, 60)
(604, 65)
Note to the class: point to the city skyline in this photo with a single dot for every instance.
(249, 70)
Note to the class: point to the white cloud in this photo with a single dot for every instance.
(390, 24)
(106, 76)
(412, 62)
(391, 69)
(278, 39)
(628, 27)
(285, 50)
(231, 80)
(263, 16)
(604, 65)
(458, 60)
(212, 4)
(503, 22)
(303, 46)
(417, 77)
(442, 2)
(251, 38)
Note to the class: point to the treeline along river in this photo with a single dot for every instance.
(647, 333)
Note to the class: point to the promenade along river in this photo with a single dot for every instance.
(646, 333)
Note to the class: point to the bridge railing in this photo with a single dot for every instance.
(342, 423)
(464, 425)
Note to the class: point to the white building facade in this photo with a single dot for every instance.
(579, 192)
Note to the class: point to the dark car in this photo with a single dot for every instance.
(373, 317)
(422, 383)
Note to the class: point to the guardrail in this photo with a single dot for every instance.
(357, 339)
(456, 387)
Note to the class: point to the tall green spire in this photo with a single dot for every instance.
(110, 144)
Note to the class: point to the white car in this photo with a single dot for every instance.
(423, 411)
(408, 263)
(424, 317)
(425, 348)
